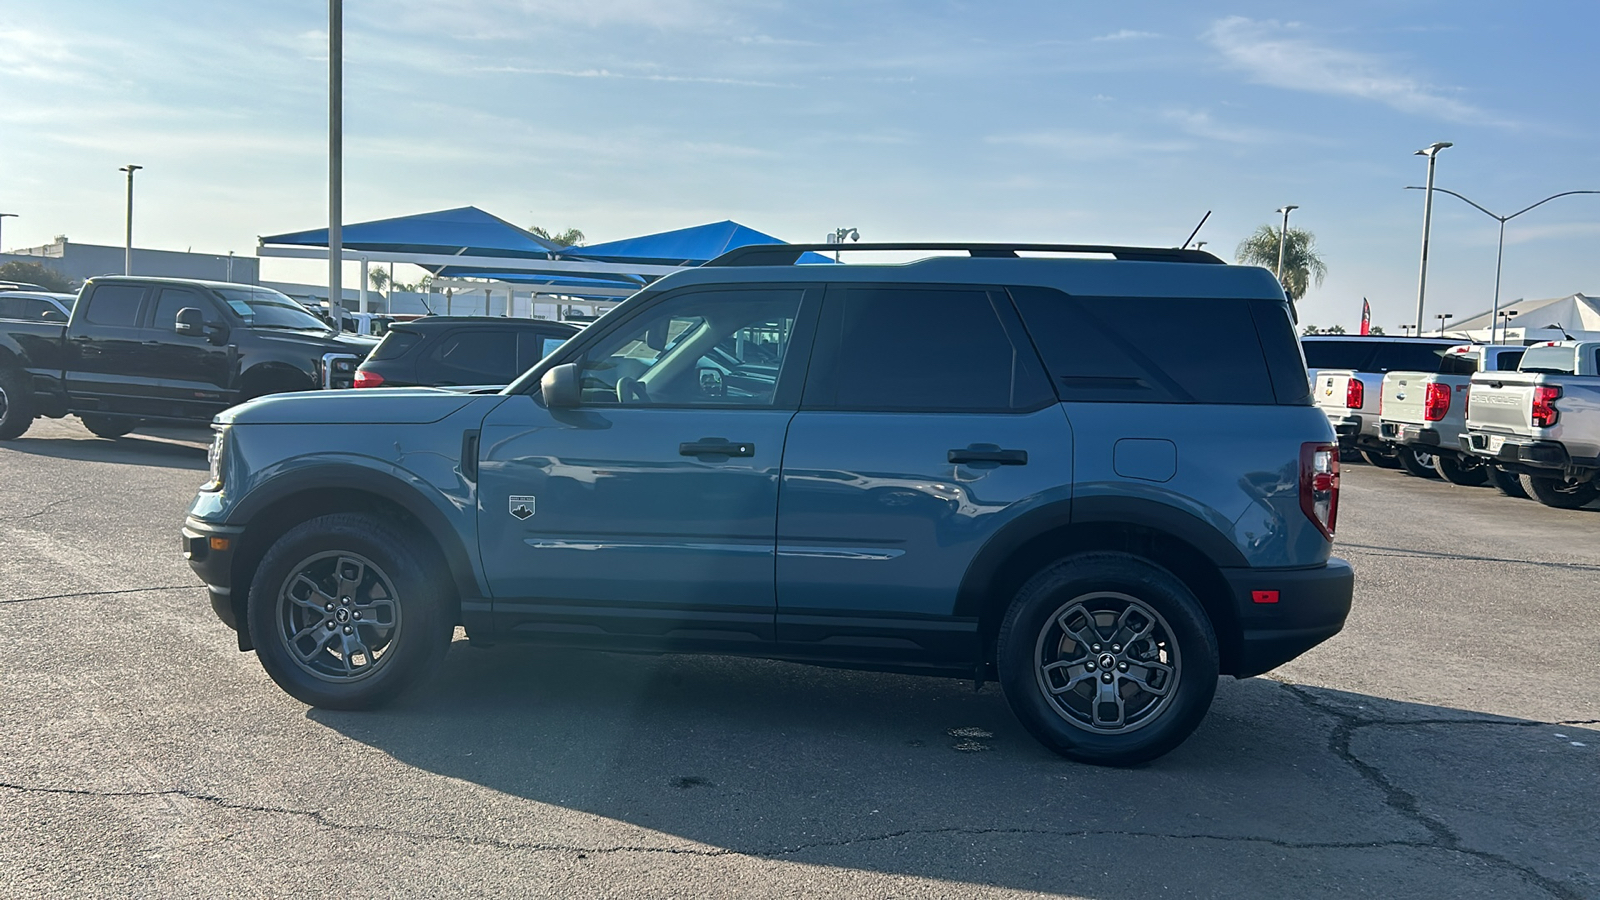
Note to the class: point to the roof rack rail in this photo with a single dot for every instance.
(789, 254)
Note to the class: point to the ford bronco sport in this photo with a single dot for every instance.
(1100, 481)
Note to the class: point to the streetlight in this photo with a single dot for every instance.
(1405, 329)
(3, 217)
(1283, 235)
(1442, 317)
(1505, 323)
(838, 237)
(127, 252)
(1432, 153)
(1499, 253)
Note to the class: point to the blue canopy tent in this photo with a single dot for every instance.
(466, 230)
(684, 247)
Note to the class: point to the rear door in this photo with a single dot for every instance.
(471, 355)
(926, 415)
(106, 367)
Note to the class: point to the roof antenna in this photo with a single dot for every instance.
(1196, 230)
(1564, 335)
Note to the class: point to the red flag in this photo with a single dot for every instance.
(1366, 316)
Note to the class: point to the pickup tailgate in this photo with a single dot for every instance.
(1403, 396)
(1331, 389)
(1502, 403)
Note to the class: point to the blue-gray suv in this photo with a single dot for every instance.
(1100, 481)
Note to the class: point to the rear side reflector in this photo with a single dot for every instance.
(1319, 485)
(368, 379)
(1264, 596)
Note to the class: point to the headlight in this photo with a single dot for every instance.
(214, 457)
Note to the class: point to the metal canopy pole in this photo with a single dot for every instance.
(335, 150)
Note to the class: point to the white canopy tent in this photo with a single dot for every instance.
(1577, 315)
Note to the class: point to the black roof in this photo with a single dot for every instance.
(435, 323)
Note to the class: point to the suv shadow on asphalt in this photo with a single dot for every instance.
(132, 450)
(1309, 791)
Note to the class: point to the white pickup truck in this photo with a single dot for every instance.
(1542, 421)
(1346, 374)
(1424, 414)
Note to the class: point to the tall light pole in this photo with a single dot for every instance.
(335, 151)
(1432, 153)
(127, 252)
(1283, 237)
(1442, 317)
(1499, 254)
(1505, 324)
(3, 218)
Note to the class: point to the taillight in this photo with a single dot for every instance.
(1436, 403)
(1354, 393)
(368, 379)
(1319, 485)
(1545, 415)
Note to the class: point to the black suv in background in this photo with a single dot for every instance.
(460, 350)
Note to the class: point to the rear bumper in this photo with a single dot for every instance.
(1419, 435)
(209, 549)
(1519, 454)
(1311, 606)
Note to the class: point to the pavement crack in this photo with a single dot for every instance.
(167, 587)
(41, 510)
(1406, 553)
(1403, 802)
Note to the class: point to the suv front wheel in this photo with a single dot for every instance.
(344, 615)
(1108, 659)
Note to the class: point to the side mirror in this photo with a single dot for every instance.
(656, 337)
(190, 321)
(559, 386)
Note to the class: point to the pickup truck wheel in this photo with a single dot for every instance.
(1561, 493)
(1509, 483)
(1108, 659)
(344, 616)
(16, 403)
(1381, 460)
(1463, 470)
(107, 426)
(1416, 461)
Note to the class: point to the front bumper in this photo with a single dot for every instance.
(210, 549)
(1310, 607)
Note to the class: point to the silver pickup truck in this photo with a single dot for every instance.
(1424, 414)
(1346, 374)
(1542, 421)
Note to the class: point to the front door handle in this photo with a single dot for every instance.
(995, 457)
(716, 447)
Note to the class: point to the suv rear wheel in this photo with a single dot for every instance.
(1107, 659)
(344, 616)
(1561, 493)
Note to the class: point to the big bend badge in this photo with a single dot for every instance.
(521, 506)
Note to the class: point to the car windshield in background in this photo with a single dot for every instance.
(264, 308)
(1353, 354)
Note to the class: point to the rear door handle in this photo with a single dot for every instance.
(993, 457)
(716, 447)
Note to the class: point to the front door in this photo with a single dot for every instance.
(194, 376)
(647, 514)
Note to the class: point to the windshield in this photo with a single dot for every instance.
(266, 308)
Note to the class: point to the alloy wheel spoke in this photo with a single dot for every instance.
(321, 646)
(350, 572)
(1087, 634)
(1073, 678)
(1140, 674)
(1107, 695)
(317, 599)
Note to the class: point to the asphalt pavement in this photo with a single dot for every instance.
(1446, 744)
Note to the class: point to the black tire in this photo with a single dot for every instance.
(1118, 593)
(360, 570)
(1467, 471)
(1381, 460)
(1416, 461)
(107, 426)
(1560, 493)
(1509, 483)
(16, 403)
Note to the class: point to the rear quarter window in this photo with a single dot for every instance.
(1157, 349)
(116, 305)
(395, 344)
(1552, 360)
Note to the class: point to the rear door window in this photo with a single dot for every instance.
(476, 356)
(923, 349)
(115, 304)
(1153, 349)
(394, 345)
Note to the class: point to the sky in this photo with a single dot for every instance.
(927, 120)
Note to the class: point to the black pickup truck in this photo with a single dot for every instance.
(166, 350)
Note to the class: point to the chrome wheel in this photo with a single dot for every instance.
(1107, 663)
(338, 614)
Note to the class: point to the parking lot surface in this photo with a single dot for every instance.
(1447, 743)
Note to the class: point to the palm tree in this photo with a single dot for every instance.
(1300, 260)
(379, 279)
(572, 237)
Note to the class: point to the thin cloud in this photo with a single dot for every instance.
(1126, 34)
(607, 73)
(1269, 53)
(1198, 122)
(1089, 144)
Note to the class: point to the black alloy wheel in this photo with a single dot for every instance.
(1416, 461)
(1462, 469)
(1561, 493)
(1107, 658)
(345, 611)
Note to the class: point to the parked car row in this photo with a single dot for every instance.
(1524, 419)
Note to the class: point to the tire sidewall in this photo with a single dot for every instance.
(1544, 490)
(1460, 470)
(19, 412)
(425, 626)
(1412, 465)
(1038, 601)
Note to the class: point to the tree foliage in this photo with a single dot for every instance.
(34, 273)
(572, 237)
(1301, 264)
